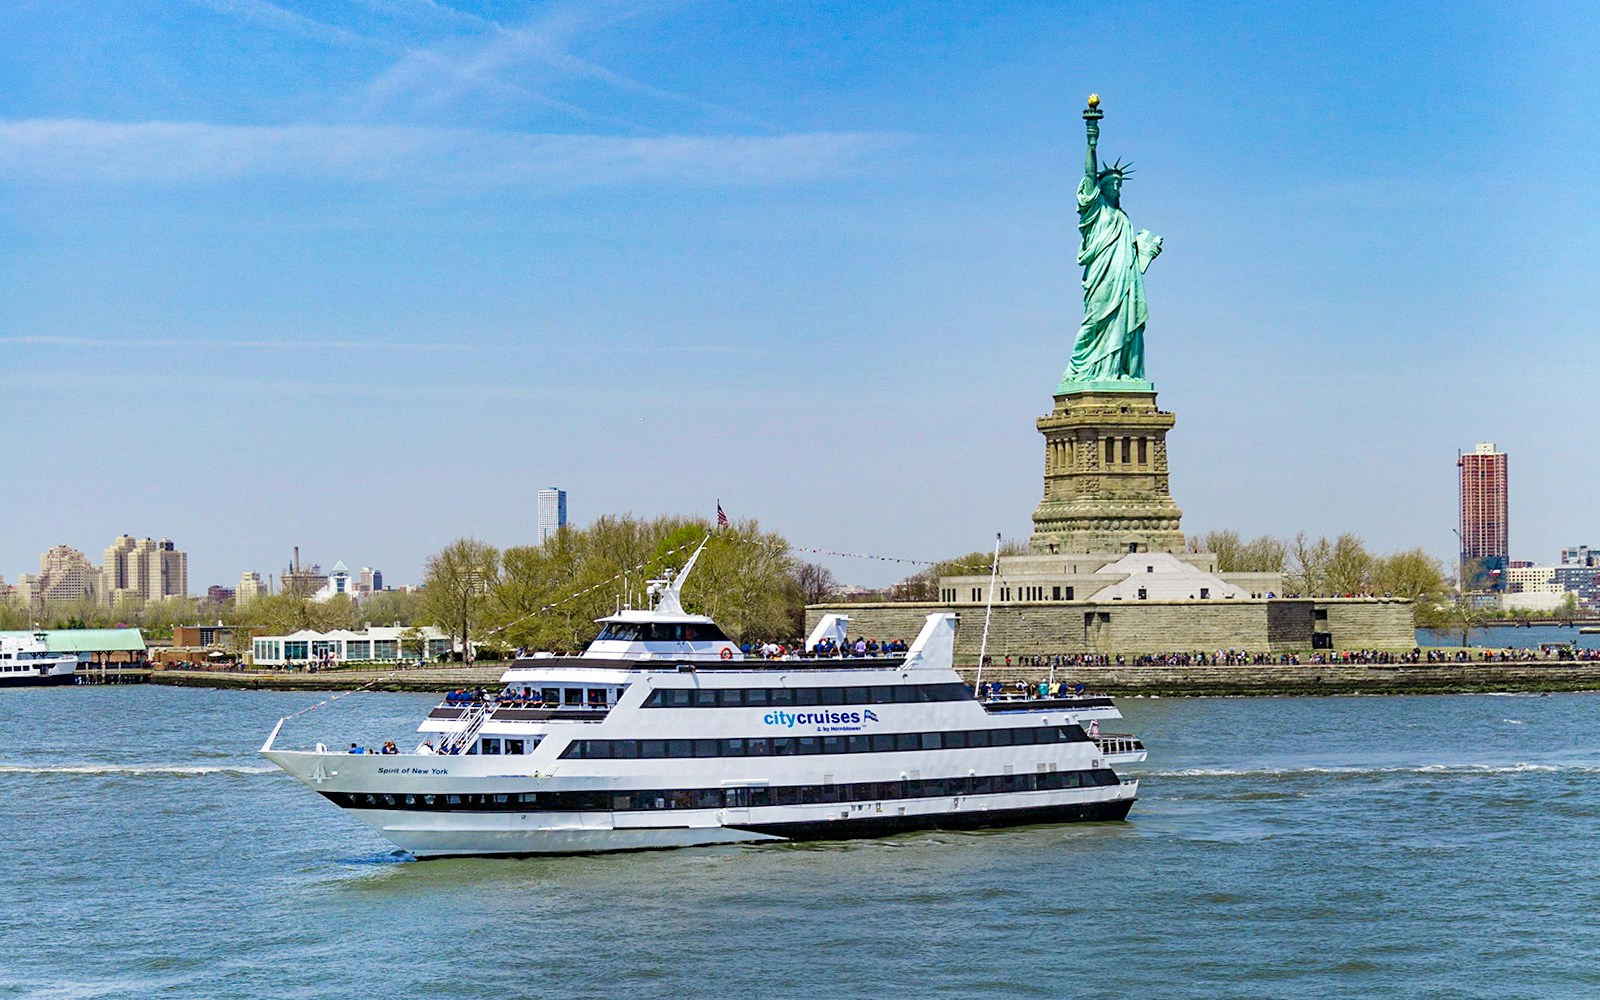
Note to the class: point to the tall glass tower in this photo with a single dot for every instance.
(552, 512)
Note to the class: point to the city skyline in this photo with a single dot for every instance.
(665, 255)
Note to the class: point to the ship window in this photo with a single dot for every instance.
(833, 744)
(652, 749)
(955, 741)
(572, 696)
(755, 698)
(705, 699)
(782, 746)
(708, 748)
(858, 744)
(857, 695)
(830, 696)
(725, 748)
(907, 741)
(882, 742)
(517, 747)
(550, 696)
(805, 696)
(489, 745)
(620, 631)
(1000, 738)
(782, 697)
(624, 749)
(931, 741)
(680, 748)
(806, 745)
(760, 747)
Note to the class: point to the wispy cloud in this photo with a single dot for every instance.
(172, 152)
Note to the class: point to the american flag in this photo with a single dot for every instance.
(721, 517)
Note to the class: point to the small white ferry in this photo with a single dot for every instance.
(26, 661)
(663, 734)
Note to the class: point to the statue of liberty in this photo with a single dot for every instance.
(1110, 344)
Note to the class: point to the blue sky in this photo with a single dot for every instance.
(363, 276)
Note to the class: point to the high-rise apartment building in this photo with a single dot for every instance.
(370, 581)
(1485, 549)
(251, 586)
(144, 569)
(65, 577)
(552, 512)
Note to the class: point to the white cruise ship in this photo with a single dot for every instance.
(662, 734)
(26, 661)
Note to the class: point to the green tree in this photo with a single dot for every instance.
(1567, 611)
(1349, 566)
(391, 607)
(1412, 574)
(457, 588)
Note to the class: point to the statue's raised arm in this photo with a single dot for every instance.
(1109, 349)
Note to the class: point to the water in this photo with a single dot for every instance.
(1353, 847)
(1512, 637)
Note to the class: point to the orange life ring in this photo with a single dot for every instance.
(727, 653)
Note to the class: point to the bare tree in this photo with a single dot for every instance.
(816, 582)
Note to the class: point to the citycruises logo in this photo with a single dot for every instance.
(826, 722)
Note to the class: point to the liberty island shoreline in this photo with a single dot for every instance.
(1243, 680)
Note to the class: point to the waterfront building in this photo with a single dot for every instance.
(381, 643)
(552, 512)
(251, 586)
(143, 569)
(1485, 546)
(95, 646)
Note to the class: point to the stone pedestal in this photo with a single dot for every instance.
(1105, 476)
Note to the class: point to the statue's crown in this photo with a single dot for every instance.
(1119, 168)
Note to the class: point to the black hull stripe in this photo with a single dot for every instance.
(883, 826)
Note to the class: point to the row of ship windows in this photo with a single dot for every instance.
(880, 694)
(727, 798)
(789, 746)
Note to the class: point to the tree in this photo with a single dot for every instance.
(391, 607)
(1412, 574)
(1308, 565)
(457, 586)
(1349, 566)
(816, 582)
(1567, 611)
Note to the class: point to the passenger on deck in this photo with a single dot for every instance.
(426, 749)
(356, 749)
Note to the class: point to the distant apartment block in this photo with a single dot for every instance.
(217, 593)
(1485, 547)
(65, 577)
(143, 569)
(251, 586)
(370, 581)
(552, 512)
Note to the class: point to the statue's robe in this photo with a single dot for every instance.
(1110, 343)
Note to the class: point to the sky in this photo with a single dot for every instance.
(363, 276)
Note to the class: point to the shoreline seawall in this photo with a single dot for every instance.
(1166, 681)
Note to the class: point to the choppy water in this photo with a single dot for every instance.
(1390, 847)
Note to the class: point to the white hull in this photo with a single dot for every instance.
(425, 833)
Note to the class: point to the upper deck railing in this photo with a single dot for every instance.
(1112, 744)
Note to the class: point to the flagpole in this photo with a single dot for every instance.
(983, 645)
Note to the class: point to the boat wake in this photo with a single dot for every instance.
(134, 770)
(1341, 772)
